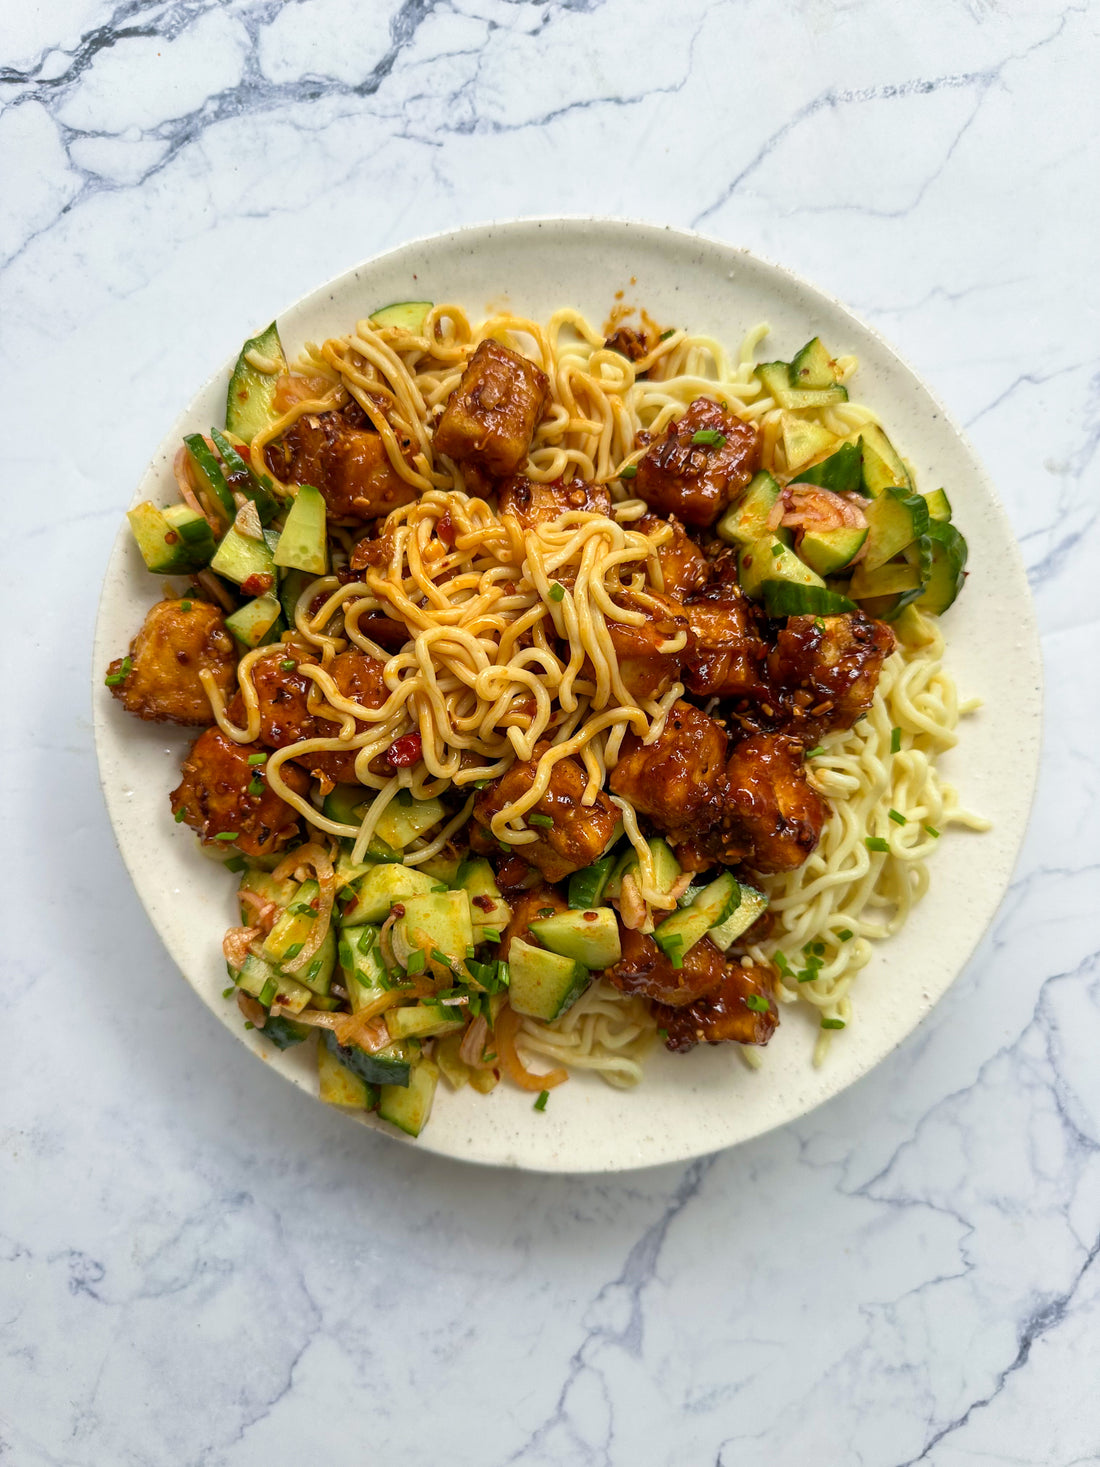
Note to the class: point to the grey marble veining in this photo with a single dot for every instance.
(196, 1267)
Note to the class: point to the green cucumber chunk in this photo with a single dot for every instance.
(894, 520)
(939, 506)
(404, 820)
(346, 803)
(266, 983)
(747, 519)
(337, 1085)
(768, 559)
(543, 984)
(714, 905)
(291, 585)
(376, 892)
(804, 440)
(408, 1109)
(250, 401)
(284, 1033)
(240, 477)
(389, 1066)
(827, 551)
(239, 557)
(752, 904)
(841, 472)
(590, 937)
(490, 912)
(948, 573)
(294, 925)
(885, 580)
(174, 541)
(303, 545)
(435, 922)
(362, 967)
(409, 315)
(785, 598)
(264, 886)
(586, 888)
(882, 466)
(257, 621)
(443, 868)
(424, 1021)
(812, 366)
(208, 471)
(666, 868)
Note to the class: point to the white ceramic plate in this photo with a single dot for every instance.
(707, 1100)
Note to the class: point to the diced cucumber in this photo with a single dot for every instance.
(174, 541)
(841, 471)
(918, 554)
(939, 506)
(750, 907)
(422, 1021)
(768, 559)
(443, 868)
(586, 888)
(403, 821)
(250, 402)
(591, 937)
(348, 872)
(294, 925)
(376, 892)
(746, 519)
(408, 1109)
(389, 1066)
(812, 366)
(256, 622)
(543, 984)
(453, 1067)
(267, 889)
(239, 557)
(666, 868)
(265, 982)
(434, 922)
(409, 315)
(776, 379)
(284, 1033)
(239, 477)
(347, 803)
(303, 544)
(949, 553)
(885, 580)
(805, 440)
(827, 551)
(490, 912)
(337, 1085)
(714, 905)
(317, 973)
(882, 465)
(786, 598)
(362, 966)
(894, 520)
(208, 471)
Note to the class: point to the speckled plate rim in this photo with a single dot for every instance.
(709, 1100)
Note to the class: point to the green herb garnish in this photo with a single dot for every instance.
(845, 934)
(227, 991)
(832, 1023)
(709, 438)
(895, 741)
(897, 817)
(228, 835)
(536, 819)
(234, 864)
(113, 679)
(876, 843)
(628, 472)
(257, 758)
(672, 330)
(288, 665)
(181, 814)
(932, 831)
(757, 1004)
(302, 909)
(292, 951)
(557, 591)
(256, 785)
(540, 1103)
(416, 963)
(815, 752)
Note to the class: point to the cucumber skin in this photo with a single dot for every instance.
(249, 399)
(372, 1069)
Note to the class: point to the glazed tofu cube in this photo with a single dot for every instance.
(492, 414)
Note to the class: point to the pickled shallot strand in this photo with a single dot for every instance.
(312, 855)
(207, 581)
(368, 1031)
(237, 944)
(252, 1009)
(182, 474)
(808, 507)
(632, 908)
(504, 1033)
(265, 911)
(472, 1048)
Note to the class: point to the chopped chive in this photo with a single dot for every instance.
(256, 786)
(629, 472)
(932, 831)
(471, 952)
(228, 835)
(227, 991)
(366, 939)
(248, 1024)
(709, 438)
(234, 864)
(897, 817)
(662, 1033)
(895, 741)
(268, 992)
(832, 1023)
(181, 814)
(557, 591)
(818, 949)
(777, 550)
(288, 665)
(819, 623)
(845, 934)
(292, 951)
(504, 973)
(876, 843)
(757, 1004)
(302, 909)
(416, 963)
(815, 752)
(490, 934)
(537, 819)
(546, 911)
(482, 784)
(185, 606)
(672, 330)
(125, 668)
(438, 957)
(257, 758)
(540, 1103)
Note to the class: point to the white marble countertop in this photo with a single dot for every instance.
(197, 1266)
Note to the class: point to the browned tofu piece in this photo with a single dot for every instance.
(679, 780)
(492, 414)
(579, 833)
(834, 661)
(683, 564)
(697, 480)
(723, 1015)
(726, 654)
(644, 969)
(285, 718)
(540, 504)
(646, 670)
(178, 639)
(777, 807)
(214, 797)
(347, 462)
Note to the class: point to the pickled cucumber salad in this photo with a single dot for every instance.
(559, 692)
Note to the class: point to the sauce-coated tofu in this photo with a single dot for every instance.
(214, 798)
(578, 833)
(492, 414)
(178, 639)
(696, 480)
(345, 461)
(679, 779)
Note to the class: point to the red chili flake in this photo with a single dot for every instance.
(483, 903)
(445, 528)
(258, 584)
(591, 916)
(405, 751)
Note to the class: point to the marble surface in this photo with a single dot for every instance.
(199, 1267)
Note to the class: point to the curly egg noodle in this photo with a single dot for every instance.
(490, 610)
